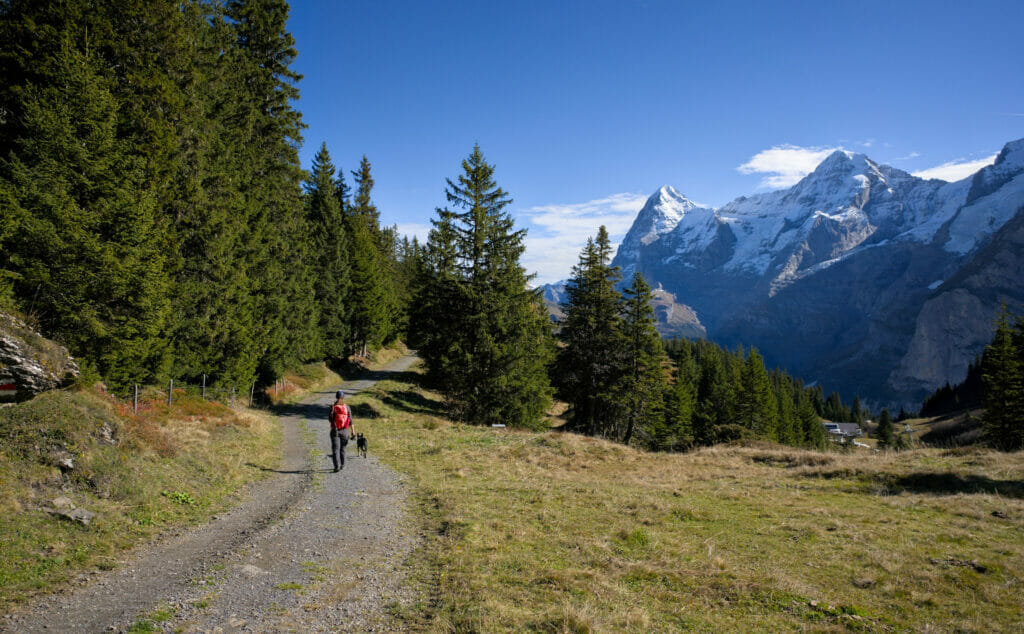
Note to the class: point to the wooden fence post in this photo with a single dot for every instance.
(252, 392)
(170, 392)
(135, 401)
(204, 386)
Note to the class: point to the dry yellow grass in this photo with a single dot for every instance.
(557, 532)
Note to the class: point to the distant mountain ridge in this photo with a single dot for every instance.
(861, 275)
(674, 319)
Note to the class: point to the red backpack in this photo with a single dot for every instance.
(341, 417)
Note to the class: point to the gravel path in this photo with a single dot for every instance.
(307, 551)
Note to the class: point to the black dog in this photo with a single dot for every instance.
(361, 445)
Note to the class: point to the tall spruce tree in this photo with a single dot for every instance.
(714, 395)
(884, 433)
(757, 408)
(811, 430)
(271, 196)
(89, 252)
(786, 428)
(330, 255)
(436, 290)
(675, 430)
(641, 389)
(1003, 378)
(371, 295)
(592, 362)
(494, 342)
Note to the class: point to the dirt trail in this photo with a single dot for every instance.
(307, 550)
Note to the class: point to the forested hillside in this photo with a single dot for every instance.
(156, 219)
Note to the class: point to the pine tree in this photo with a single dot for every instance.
(714, 395)
(437, 293)
(89, 251)
(812, 431)
(884, 433)
(675, 431)
(494, 343)
(857, 412)
(757, 408)
(641, 390)
(369, 300)
(592, 362)
(270, 199)
(329, 242)
(372, 296)
(362, 203)
(1003, 377)
(786, 426)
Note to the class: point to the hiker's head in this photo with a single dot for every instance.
(339, 395)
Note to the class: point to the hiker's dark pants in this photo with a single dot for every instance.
(339, 438)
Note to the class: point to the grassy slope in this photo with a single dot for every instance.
(556, 532)
(165, 467)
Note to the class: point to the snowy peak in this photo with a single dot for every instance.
(838, 162)
(1008, 165)
(660, 214)
(848, 202)
(1012, 155)
(667, 206)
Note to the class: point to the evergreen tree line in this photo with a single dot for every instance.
(156, 219)
(953, 398)
(491, 350)
(995, 381)
(1002, 374)
(623, 382)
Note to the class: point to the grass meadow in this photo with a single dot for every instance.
(555, 532)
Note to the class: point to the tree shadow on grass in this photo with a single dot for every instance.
(945, 483)
(401, 376)
(363, 411)
(413, 403)
(926, 483)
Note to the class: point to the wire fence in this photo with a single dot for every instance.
(210, 392)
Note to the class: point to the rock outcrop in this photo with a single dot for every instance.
(30, 363)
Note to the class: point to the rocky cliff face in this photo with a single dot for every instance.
(955, 321)
(861, 276)
(30, 363)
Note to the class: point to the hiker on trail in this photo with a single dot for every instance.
(341, 429)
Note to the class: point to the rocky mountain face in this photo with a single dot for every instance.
(861, 276)
(674, 319)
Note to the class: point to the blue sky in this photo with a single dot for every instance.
(588, 107)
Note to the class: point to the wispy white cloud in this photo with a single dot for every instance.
(912, 155)
(558, 232)
(785, 165)
(956, 170)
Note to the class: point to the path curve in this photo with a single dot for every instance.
(307, 550)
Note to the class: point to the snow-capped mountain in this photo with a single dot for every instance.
(829, 277)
